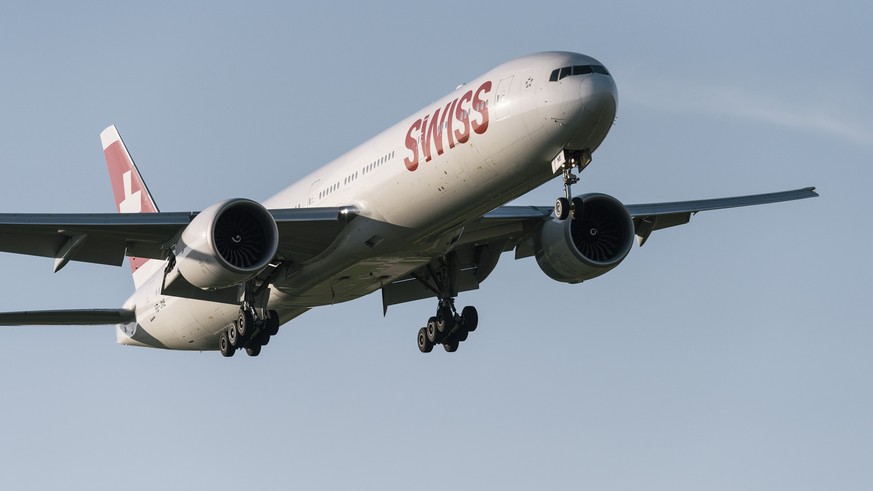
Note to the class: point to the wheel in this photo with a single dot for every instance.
(462, 333)
(470, 318)
(431, 330)
(253, 350)
(272, 323)
(562, 208)
(245, 323)
(233, 336)
(224, 345)
(578, 205)
(451, 346)
(264, 339)
(444, 320)
(425, 345)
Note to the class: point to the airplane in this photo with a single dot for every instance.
(419, 211)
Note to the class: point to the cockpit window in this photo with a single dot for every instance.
(569, 71)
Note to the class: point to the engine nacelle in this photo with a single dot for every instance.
(587, 246)
(226, 244)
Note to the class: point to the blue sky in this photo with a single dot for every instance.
(731, 353)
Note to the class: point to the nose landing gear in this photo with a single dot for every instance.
(566, 161)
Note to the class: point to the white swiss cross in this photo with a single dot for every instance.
(132, 201)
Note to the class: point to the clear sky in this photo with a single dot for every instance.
(731, 353)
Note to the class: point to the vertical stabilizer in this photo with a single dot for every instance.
(130, 192)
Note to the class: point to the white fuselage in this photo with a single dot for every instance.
(416, 184)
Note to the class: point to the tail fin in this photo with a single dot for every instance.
(130, 191)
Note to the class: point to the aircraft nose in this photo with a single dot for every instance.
(599, 96)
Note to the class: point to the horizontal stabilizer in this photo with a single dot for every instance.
(84, 317)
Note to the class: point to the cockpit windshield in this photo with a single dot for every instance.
(569, 71)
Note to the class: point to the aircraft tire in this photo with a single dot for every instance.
(224, 346)
(431, 330)
(245, 323)
(424, 343)
(272, 323)
(462, 334)
(444, 320)
(470, 318)
(451, 346)
(562, 208)
(233, 337)
(577, 207)
(253, 350)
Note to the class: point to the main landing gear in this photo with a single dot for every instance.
(567, 161)
(248, 332)
(253, 326)
(448, 327)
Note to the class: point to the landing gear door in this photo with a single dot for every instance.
(502, 103)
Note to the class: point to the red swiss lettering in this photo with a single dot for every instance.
(434, 133)
(426, 134)
(412, 144)
(463, 116)
(481, 106)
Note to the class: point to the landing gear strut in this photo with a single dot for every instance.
(254, 324)
(448, 327)
(566, 161)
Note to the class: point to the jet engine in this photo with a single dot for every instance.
(587, 245)
(227, 244)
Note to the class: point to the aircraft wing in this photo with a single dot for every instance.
(511, 222)
(510, 228)
(108, 238)
(655, 216)
(83, 317)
